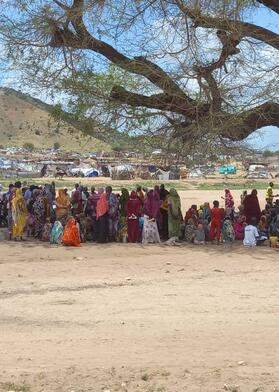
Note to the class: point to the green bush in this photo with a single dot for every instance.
(56, 146)
(28, 146)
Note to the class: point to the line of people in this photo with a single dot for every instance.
(147, 216)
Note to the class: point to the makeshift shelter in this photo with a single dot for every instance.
(174, 173)
(123, 172)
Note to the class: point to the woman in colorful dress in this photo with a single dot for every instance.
(63, 206)
(40, 212)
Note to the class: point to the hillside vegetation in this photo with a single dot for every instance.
(27, 120)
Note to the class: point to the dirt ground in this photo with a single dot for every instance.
(125, 317)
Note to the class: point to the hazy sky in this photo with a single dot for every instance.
(269, 136)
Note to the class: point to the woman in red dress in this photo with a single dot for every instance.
(133, 209)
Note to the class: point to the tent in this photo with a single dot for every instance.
(227, 169)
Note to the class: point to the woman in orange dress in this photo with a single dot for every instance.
(71, 236)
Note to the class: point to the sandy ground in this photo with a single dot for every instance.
(138, 318)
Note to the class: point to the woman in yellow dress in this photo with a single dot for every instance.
(19, 214)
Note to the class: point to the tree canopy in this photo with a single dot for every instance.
(186, 69)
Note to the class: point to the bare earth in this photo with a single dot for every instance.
(138, 318)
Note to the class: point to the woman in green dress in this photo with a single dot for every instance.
(174, 214)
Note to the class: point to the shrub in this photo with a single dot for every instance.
(28, 146)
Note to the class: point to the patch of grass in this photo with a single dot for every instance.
(241, 185)
(9, 386)
(145, 377)
(180, 185)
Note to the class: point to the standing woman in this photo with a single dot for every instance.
(133, 209)
(102, 218)
(63, 205)
(151, 208)
(40, 212)
(113, 213)
(164, 208)
(229, 202)
(19, 213)
(77, 202)
(91, 210)
(123, 200)
(174, 214)
(251, 207)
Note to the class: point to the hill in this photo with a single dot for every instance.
(24, 119)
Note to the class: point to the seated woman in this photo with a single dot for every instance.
(199, 235)
(189, 230)
(263, 227)
(56, 233)
(71, 236)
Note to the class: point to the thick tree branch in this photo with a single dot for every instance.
(229, 48)
(240, 29)
(272, 4)
(239, 126)
(235, 127)
(159, 101)
(139, 65)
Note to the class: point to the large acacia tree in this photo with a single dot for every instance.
(188, 68)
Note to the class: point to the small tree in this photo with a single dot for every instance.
(267, 154)
(28, 146)
(56, 146)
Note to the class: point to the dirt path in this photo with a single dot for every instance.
(138, 318)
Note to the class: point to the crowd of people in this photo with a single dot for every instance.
(148, 216)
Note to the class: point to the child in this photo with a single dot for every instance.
(228, 231)
(239, 227)
(199, 235)
(251, 234)
(216, 219)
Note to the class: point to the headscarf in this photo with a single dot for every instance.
(152, 204)
(102, 205)
(62, 199)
